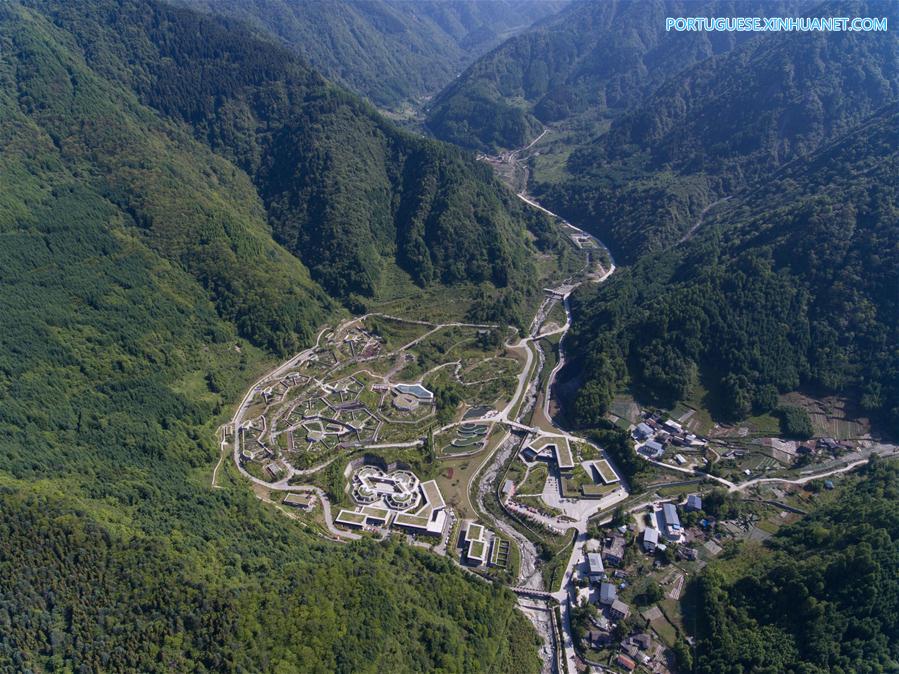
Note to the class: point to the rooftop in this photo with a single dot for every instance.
(350, 517)
(616, 546)
(669, 512)
(416, 390)
(643, 430)
(374, 512)
(303, 499)
(475, 532)
(432, 493)
(605, 471)
(405, 402)
(620, 607)
(563, 453)
(626, 662)
(477, 550)
(653, 446)
(607, 593)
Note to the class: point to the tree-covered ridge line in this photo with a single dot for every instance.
(792, 285)
(393, 52)
(78, 596)
(591, 62)
(343, 189)
(720, 127)
(824, 598)
(142, 292)
(144, 168)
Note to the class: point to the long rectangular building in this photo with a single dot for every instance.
(563, 454)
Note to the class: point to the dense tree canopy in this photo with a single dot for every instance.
(824, 598)
(343, 189)
(393, 52)
(792, 285)
(589, 63)
(142, 292)
(723, 126)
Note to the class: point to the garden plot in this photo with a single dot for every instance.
(469, 437)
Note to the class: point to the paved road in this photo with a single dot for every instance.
(856, 459)
(562, 595)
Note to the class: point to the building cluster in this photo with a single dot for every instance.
(395, 499)
(604, 569)
(654, 435)
(482, 547)
(398, 489)
(600, 558)
(666, 528)
(604, 580)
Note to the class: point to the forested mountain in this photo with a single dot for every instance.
(585, 65)
(764, 144)
(393, 52)
(823, 597)
(343, 189)
(795, 283)
(142, 291)
(723, 125)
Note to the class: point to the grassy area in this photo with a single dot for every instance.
(678, 490)
(556, 314)
(395, 334)
(571, 486)
(490, 368)
(553, 570)
(663, 627)
(516, 471)
(538, 503)
(455, 475)
(536, 479)
(438, 305)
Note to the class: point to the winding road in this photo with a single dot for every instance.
(512, 416)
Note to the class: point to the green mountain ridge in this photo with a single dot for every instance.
(790, 285)
(588, 64)
(722, 126)
(343, 190)
(391, 51)
(143, 291)
(821, 597)
(691, 148)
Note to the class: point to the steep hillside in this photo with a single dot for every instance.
(793, 284)
(343, 189)
(142, 292)
(394, 52)
(721, 126)
(821, 596)
(589, 63)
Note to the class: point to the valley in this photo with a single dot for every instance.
(453, 336)
(465, 416)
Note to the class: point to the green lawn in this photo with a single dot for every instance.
(535, 480)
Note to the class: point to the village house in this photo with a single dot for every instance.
(619, 610)
(595, 568)
(650, 539)
(607, 594)
(614, 550)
